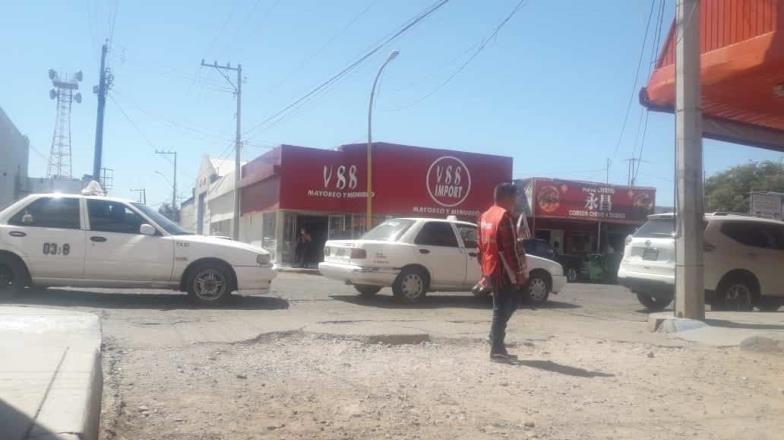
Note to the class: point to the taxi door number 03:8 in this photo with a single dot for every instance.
(56, 249)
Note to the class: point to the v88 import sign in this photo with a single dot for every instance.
(448, 181)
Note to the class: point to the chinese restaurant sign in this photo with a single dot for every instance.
(567, 199)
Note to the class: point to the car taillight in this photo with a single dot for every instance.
(358, 253)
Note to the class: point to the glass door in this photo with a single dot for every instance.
(337, 228)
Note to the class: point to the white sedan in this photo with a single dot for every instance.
(417, 255)
(85, 241)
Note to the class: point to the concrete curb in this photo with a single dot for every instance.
(772, 343)
(51, 379)
(745, 336)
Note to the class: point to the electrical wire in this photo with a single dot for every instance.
(471, 58)
(636, 80)
(345, 71)
(654, 56)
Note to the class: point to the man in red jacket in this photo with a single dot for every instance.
(503, 264)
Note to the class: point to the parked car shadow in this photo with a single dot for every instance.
(557, 368)
(134, 299)
(439, 301)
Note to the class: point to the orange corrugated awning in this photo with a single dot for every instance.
(742, 72)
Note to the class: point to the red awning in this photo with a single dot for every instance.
(742, 72)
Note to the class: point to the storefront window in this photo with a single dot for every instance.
(269, 224)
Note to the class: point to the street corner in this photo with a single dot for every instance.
(51, 378)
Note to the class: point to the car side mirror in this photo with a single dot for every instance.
(147, 229)
(27, 219)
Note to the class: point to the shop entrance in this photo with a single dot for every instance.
(309, 254)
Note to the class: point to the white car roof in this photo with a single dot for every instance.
(79, 196)
(428, 219)
(721, 216)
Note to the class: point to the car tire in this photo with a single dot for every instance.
(537, 289)
(367, 291)
(654, 303)
(736, 293)
(571, 274)
(209, 283)
(13, 276)
(411, 285)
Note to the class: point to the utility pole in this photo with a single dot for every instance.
(607, 172)
(174, 179)
(369, 206)
(689, 211)
(630, 170)
(142, 194)
(104, 83)
(235, 230)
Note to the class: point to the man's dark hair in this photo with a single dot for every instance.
(504, 191)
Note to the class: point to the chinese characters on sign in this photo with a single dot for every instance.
(590, 201)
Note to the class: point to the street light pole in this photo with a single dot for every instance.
(369, 220)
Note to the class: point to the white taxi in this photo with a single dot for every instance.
(85, 241)
(417, 255)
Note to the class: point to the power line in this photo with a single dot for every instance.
(476, 53)
(636, 80)
(335, 78)
(654, 55)
(329, 41)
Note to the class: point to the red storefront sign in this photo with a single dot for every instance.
(406, 180)
(566, 199)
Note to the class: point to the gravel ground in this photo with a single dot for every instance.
(296, 385)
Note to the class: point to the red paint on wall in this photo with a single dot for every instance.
(407, 180)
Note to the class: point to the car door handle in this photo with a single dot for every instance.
(424, 251)
(17, 234)
(97, 239)
(472, 254)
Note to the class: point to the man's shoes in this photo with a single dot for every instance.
(501, 355)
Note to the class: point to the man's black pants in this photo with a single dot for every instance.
(505, 302)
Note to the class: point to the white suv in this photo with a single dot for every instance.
(743, 261)
(84, 241)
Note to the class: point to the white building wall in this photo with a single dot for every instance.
(14, 154)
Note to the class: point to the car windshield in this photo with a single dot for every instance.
(657, 228)
(390, 230)
(168, 225)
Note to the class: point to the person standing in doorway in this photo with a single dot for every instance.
(503, 264)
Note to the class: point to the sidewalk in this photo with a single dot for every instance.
(50, 374)
(755, 331)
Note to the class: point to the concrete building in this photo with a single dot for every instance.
(14, 154)
(214, 197)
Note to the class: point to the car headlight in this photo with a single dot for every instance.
(263, 259)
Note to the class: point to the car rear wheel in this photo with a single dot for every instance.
(654, 303)
(538, 289)
(209, 284)
(12, 277)
(367, 290)
(571, 274)
(411, 285)
(735, 293)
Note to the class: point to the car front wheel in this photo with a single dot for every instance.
(538, 288)
(654, 303)
(411, 285)
(209, 284)
(571, 274)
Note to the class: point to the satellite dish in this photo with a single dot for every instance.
(52, 74)
(78, 76)
(78, 98)
(52, 94)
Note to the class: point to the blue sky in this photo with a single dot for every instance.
(551, 89)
